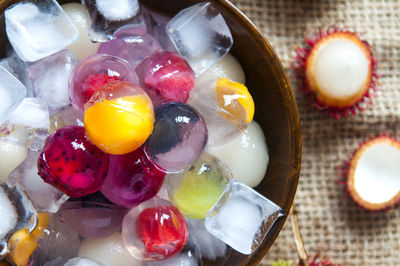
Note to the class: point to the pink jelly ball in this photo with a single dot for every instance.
(94, 72)
(71, 163)
(154, 230)
(93, 216)
(131, 179)
(167, 77)
(133, 49)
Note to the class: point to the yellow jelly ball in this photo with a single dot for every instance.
(120, 125)
(21, 246)
(235, 98)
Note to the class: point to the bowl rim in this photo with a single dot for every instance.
(293, 119)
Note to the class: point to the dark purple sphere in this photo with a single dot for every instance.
(131, 179)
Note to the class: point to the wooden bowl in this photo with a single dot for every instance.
(276, 109)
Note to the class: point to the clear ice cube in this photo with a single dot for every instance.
(38, 29)
(17, 67)
(44, 197)
(28, 125)
(67, 116)
(110, 15)
(242, 217)
(50, 75)
(201, 35)
(12, 92)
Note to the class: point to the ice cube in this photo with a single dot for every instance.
(242, 217)
(66, 117)
(8, 214)
(12, 92)
(17, 67)
(38, 29)
(44, 197)
(16, 211)
(78, 261)
(209, 246)
(201, 35)
(28, 125)
(109, 15)
(50, 76)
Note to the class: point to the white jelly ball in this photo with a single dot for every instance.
(110, 251)
(10, 157)
(227, 67)
(83, 47)
(341, 68)
(246, 155)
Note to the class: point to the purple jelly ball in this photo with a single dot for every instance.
(133, 49)
(93, 73)
(179, 137)
(93, 216)
(132, 179)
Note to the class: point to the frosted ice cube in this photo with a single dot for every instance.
(12, 92)
(38, 29)
(16, 211)
(201, 35)
(78, 261)
(17, 67)
(44, 197)
(50, 76)
(28, 125)
(110, 15)
(209, 246)
(8, 214)
(242, 217)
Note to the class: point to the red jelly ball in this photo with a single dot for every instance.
(154, 230)
(167, 77)
(71, 163)
(93, 82)
(131, 179)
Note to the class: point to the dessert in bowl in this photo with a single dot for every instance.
(276, 110)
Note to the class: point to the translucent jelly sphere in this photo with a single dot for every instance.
(93, 216)
(94, 72)
(195, 190)
(178, 138)
(131, 179)
(71, 163)
(132, 48)
(167, 77)
(154, 230)
(119, 117)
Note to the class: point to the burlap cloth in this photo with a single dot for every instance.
(330, 222)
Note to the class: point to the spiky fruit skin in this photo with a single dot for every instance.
(71, 163)
(167, 77)
(163, 231)
(304, 64)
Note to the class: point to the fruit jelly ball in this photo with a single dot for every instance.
(71, 163)
(119, 117)
(178, 138)
(167, 77)
(93, 216)
(94, 72)
(154, 230)
(131, 179)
